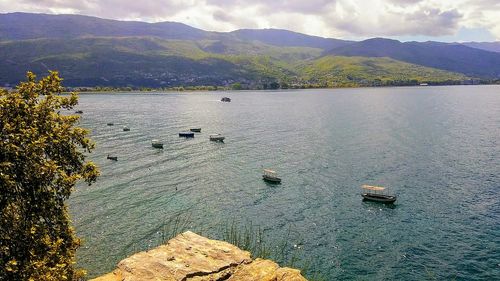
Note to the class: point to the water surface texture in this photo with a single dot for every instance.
(437, 148)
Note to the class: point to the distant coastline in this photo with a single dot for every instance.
(97, 90)
(94, 54)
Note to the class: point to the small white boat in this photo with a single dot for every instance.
(126, 129)
(216, 137)
(271, 176)
(156, 144)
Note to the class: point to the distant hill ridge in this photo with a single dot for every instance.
(447, 56)
(90, 51)
(487, 46)
(19, 26)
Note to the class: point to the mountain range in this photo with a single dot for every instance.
(90, 51)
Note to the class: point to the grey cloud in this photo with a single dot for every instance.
(425, 21)
(405, 2)
(300, 6)
(353, 17)
(478, 8)
(268, 7)
(484, 3)
(54, 4)
(220, 15)
(115, 9)
(433, 22)
(238, 22)
(139, 9)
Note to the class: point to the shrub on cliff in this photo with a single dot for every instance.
(41, 159)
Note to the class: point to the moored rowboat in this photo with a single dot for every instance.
(270, 176)
(186, 134)
(375, 193)
(156, 144)
(216, 137)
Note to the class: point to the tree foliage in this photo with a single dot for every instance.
(41, 159)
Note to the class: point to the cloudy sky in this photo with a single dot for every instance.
(442, 20)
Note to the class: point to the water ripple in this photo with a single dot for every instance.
(436, 147)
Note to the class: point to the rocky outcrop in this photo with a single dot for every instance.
(191, 257)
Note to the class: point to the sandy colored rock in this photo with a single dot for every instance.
(192, 257)
(289, 274)
(265, 270)
(259, 269)
(112, 276)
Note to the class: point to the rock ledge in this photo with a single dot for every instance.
(191, 257)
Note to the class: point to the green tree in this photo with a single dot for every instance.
(284, 85)
(236, 86)
(274, 85)
(41, 159)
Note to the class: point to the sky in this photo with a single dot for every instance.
(405, 20)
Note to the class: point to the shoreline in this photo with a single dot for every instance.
(169, 91)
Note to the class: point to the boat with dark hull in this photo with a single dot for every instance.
(376, 194)
(157, 144)
(271, 176)
(195, 130)
(113, 158)
(216, 137)
(225, 99)
(186, 134)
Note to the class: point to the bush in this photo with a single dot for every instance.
(41, 159)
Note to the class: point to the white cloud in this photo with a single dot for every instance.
(329, 18)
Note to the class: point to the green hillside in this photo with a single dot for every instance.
(338, 71)
(155, 62)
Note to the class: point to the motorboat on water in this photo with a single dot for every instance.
(156, 144)
(186, 134)
(377, 194)
(271, 176)
(225, 99)
(195, 130)
(217, 137)
(126, 129)
(114, 158)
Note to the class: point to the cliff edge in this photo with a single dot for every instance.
(191, 257)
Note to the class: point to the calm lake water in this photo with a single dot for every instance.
(437, 148)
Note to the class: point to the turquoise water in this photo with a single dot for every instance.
(437, 148)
